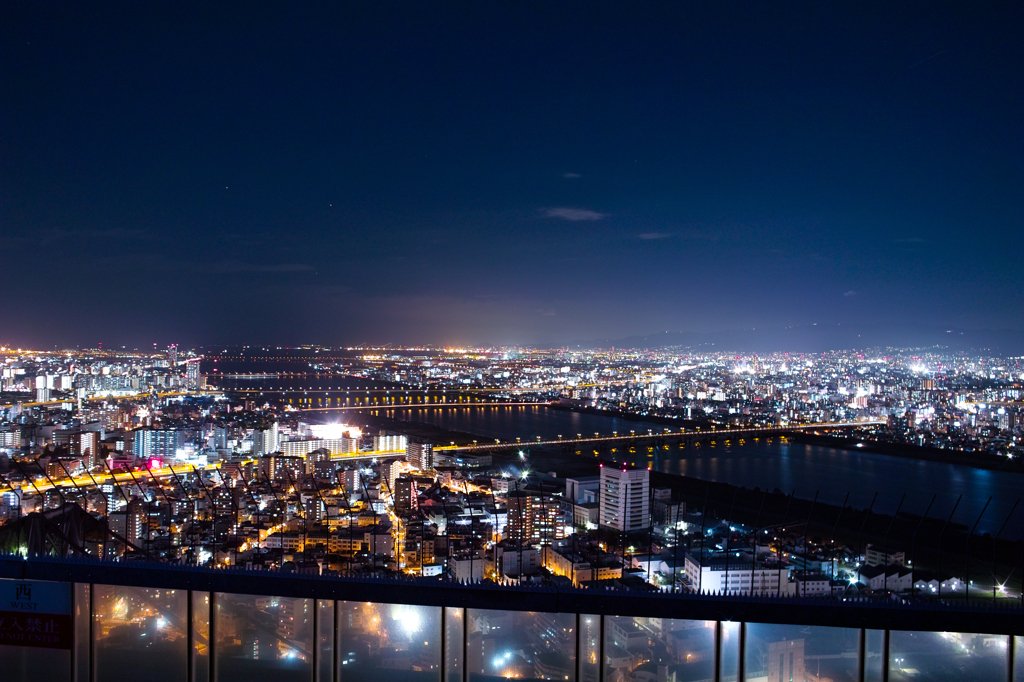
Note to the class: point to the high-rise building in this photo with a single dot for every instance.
(193, 380)
(129, 522)
(420, 455)
(265, 441)
(342, 446)
(281, 467)
(86, 445)
(353, 481)
(220, 438)
(534, 517)
(301, 448)
(10, 437)
(390, 470)
(318, 456)
(406, 496)
(384, 443)
(625, 504)
(159, 443)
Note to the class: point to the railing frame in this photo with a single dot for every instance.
(84, 576)
(719, 655)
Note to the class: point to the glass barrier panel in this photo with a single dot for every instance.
(521, 645)
(139, 628)
(588, 648)
(954, 656)
(82, 645)
(324, 640)
(389, 642)
(454, 634)
(658, 649)
(200, 636)
(31, 664)
(780, 653)
(874, 655)
(258, 637)
(730, 647)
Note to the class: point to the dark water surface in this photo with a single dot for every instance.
(832, 472)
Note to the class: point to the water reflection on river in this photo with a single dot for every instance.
(788, 466)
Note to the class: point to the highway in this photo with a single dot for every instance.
(166, 473)
(135, 396)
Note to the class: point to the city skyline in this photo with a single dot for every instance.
(244, 503)
(497, 176)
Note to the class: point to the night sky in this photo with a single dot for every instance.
(358, 172)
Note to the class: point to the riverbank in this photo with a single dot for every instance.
(929, 543)
(977, 460)
(631, 417)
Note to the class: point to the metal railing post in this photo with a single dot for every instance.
(579, 637)
(315, 672)
(862, 655)
(74, 635)
(718, 651)
(336, 673)
(189, 639)
(212, 629)
(741, 666)
(885, 655)
(1010, 653)
(92, 634)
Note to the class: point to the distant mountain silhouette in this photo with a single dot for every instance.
(821, 338)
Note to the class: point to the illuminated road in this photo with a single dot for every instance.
(695, 433)
(134, 396)
(119, 478)
(165, 473)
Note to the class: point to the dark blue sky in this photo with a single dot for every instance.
(505, 173)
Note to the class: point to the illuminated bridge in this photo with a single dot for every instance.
(88, 621)
(704, 435)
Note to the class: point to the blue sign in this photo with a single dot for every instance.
(35, 613)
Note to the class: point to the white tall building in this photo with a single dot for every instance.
(336, 446)
(390, 443)
(625, 498)
(265, 441)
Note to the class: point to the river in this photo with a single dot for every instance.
(831, 472)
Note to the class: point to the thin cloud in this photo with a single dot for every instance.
(112, 234)
(570, 176)
(235, 266)
(574, 214)
(850, 293)
(648, 236)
